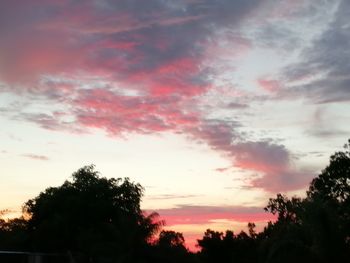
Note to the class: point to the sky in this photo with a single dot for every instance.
(213, 106)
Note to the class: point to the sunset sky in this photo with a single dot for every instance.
(212, 105)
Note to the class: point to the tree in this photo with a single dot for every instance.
(211, 246)
(91, 216)
(331, 192)
(286, 209)
(13, 234)
(334, 181)
(228, 247)
(251, 230)
(317, 227)
(171, 239)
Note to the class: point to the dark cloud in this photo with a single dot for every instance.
(135, 36)
(272, 161)
(236, 105)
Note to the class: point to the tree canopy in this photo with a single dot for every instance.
(90, 215)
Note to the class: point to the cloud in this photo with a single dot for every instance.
(118, 38)
(35, 157)
(170, 196)
(156, 55)
(261, 156)
(222, 169)
(236, 105)
(324, 125)
(269, 85)
(272, 161)
(145, 67)
(283, 181)
(278, 36)
(188, 214)
(322, 74)
(328, 133)
(53, 121)
(116, 113)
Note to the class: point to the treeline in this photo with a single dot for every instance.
(95, 219)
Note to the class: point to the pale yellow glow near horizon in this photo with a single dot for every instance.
(164, 164)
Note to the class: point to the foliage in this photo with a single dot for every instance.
(91, 216)
(13, 234)
(170, 247)
(171, 239)
(334, 181)
(318, 226)
(219, 247)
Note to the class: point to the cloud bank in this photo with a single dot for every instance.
(158, 66)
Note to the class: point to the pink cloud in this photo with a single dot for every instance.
(202, 217)
(206, 214)
(282, 181)
(269, 85)
(261, 156)
(105, 109)
(151, 60)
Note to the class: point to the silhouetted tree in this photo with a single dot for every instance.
(328, 200)
(171, 239)
(315, 228)
(286, 209)
(251, 230)
(219, 247)
(170, 247)
(13, 234)
(332, 186)
(92, 216)
(210, 245)
(334, 181)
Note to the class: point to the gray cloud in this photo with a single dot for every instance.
(49, 121)
(35, 156)
(236, 105)
(324, 68)
(272, 161)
